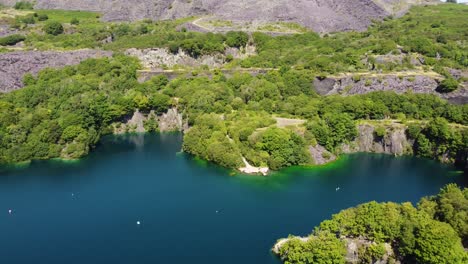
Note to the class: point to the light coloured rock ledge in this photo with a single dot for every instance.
(170, 121)
(352, 249)
(276, 248)
(249, 169)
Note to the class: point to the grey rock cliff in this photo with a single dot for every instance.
(320, 15)
(170, 121)
(393, 142)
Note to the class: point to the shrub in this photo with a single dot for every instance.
(380, 132)
(237, 39)
(53, 28)
(23, 5)
(42, 17)
(448, 85)
(11, 40)
(75, 21)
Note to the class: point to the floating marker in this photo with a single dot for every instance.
(138, 223)
(337, 189)
(10, 211)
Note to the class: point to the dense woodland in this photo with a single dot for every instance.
(433, 232)
(63, 113)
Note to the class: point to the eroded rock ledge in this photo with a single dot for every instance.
(139, 122)
(353, 248)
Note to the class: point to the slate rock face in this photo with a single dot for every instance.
(319, 15)
(14, 65)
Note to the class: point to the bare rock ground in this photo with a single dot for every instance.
(319, 15)
(14, 65)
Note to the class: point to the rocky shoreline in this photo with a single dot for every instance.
(353, 248)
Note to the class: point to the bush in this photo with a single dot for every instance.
(11, 40)
(42, 17)
(23, 5)
(75, 21)
(237, 39)
(448, 85)
(53, 28)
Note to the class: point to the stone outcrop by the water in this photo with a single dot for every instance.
(320, 155)
(353, 247)
(394, 141)
(170, 121)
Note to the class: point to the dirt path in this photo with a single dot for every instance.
(197, 23)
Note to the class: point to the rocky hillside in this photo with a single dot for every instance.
(14, 65)
(320, 15)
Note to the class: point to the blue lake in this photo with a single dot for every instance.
(189, 211)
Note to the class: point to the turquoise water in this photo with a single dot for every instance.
(189, 211)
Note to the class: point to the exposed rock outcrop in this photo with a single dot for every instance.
(14, 65)
(362, 84)
(6, 30)
(354, 247)
(170, 121)
(160, 58)
(393, 142)
(320, 15)
(320, 155)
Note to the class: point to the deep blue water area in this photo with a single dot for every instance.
(189, 211)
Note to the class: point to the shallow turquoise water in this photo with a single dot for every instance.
(190, 211)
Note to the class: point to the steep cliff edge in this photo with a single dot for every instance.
(140, 122)
(394, 141)
(370, 139)
(320, 15)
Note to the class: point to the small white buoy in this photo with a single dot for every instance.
(10, 211)
(338, 188)
(217, 211)
(138, 223)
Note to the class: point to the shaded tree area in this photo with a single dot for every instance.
(431, 233)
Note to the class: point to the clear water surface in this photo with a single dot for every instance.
(189, 211)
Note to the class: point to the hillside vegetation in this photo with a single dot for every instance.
(63, 113)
